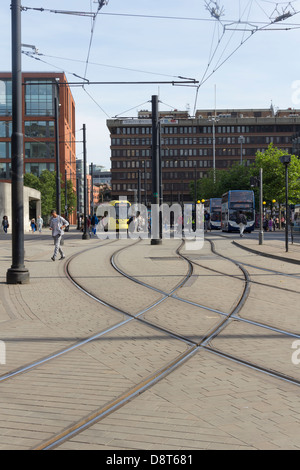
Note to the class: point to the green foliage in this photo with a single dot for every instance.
(274, 175)
(238, 177)
(46, 184)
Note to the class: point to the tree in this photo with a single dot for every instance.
(274, 175)
(237, 177)
(46, 184)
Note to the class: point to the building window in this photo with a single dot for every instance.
(39, 98)
(5, 171)
(5, 129)
(5, 150)
(5, 97)
(37, 168)
(39, 150)
(39, 129)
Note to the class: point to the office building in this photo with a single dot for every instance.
(190, 147)
(39, 124)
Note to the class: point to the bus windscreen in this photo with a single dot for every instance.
(241, 196)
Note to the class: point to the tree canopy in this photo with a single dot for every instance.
(238, 177)
(46, 184)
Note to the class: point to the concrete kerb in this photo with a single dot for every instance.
(267, 255)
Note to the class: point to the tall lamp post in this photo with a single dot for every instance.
(255, 182)
(17, 274)
(241, 141)
(286, 160)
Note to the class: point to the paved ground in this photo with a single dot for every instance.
(208, 403)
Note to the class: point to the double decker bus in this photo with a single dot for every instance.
(213, 207)
(117, 213)
(234, 202)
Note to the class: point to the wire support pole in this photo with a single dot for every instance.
(17, 274)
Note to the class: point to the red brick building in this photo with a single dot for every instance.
(38, 103)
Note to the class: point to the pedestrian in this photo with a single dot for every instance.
(271, 226)
(88, 224)
(5, 223)
(132, 224)
(207, 225)
(242, 222)
(32, 225)
(104, 222)
(94, 223)
(57, 225)
(40, 223)
(140, 222)
(179, 224)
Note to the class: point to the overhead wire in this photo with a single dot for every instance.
(255, 29)
(253, 26)
(111, 66)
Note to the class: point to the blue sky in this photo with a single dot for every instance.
(263, 69)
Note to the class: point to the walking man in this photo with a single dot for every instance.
(57, 225)
(242, 221)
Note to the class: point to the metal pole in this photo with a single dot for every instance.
(286, 208)
(139, 188)
(195, 186)
(160, 164)
(58, 196)
(261, 213)
(85, 235)
(145, 182)
(66, 194)
(17, 274)
(92, 189)
(214, 150)
(78, 203)
(155, 174)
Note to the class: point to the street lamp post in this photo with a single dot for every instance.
(17, 274)
(261, 210)
(85, 235)
(241, 141)
(156, 177)
(255, 182)
(286, 160)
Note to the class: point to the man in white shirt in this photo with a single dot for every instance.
(57, 225)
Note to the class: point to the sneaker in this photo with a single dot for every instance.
(53, 259)
(62, 257)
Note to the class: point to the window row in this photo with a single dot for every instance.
(248, 140)
(34, 168)
(40, 129)
(172, 187)
(35, 129)
(39, 97)
(174, 164)
(177, 130)
(32, 150)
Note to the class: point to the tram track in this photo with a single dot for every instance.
(196, 347)
(193, 347)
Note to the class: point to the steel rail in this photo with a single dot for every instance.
(150, 381)
(153, 379)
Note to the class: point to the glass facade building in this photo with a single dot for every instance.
(39, 91)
